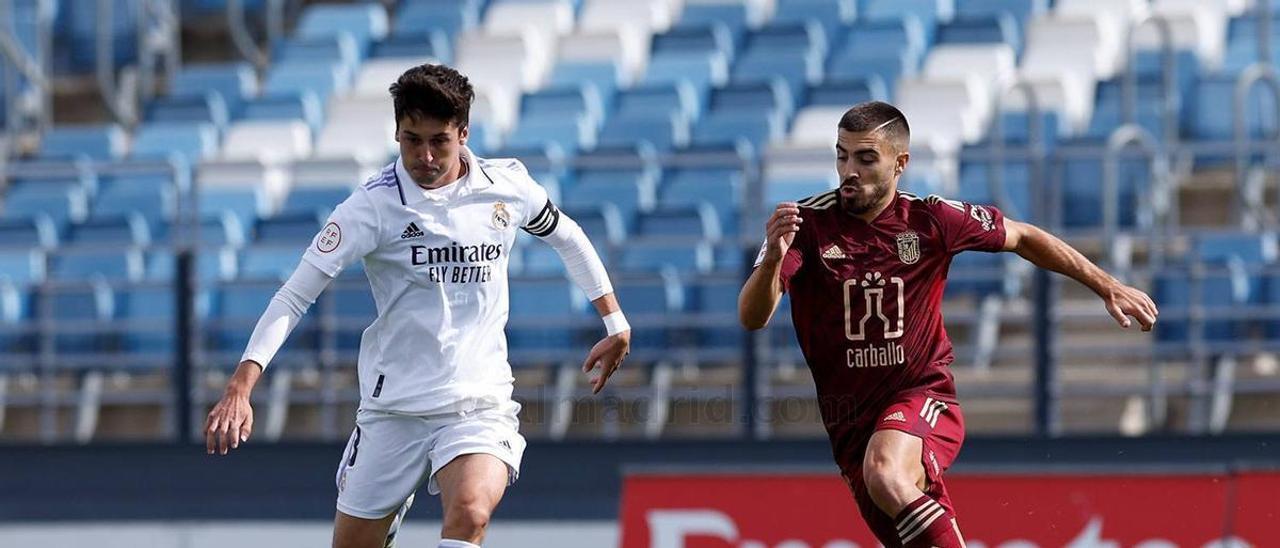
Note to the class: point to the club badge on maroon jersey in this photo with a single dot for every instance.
(501, 218)
(909, 247)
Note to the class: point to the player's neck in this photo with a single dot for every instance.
(457, 173)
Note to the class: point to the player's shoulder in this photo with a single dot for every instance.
(819, 201)
(504, 166)
(932, 203)
(382, 186)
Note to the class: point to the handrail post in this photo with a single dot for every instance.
(243, 40)
(1035, 147)
(1120, 139)
(1245, 209)
(1169, 63)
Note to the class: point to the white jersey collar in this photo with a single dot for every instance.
(474, 179)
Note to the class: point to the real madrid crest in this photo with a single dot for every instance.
(501, 217)
(909, 247)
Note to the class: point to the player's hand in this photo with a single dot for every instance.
(607, 355)
(780, 230)
(1123, 301)
(230, 422)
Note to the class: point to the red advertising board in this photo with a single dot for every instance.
(1022, 511)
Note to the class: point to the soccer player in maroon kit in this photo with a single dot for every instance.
(865, 266)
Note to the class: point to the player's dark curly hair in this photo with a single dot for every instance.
(433, 92)
(876, 114)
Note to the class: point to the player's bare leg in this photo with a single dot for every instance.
(354, 532)
(894, 473)
(470, 488)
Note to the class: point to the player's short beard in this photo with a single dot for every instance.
(860, 204)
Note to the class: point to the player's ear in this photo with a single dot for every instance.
(902, 160)
(463, 133)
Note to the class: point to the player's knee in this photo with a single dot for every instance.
(468, 516)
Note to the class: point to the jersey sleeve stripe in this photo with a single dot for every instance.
(820, 201)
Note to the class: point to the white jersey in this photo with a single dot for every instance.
(437, 266)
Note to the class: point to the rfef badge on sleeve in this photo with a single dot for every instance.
(329, 238)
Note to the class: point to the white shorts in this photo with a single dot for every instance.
(389, 455)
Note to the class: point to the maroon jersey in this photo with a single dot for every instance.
(866, 300)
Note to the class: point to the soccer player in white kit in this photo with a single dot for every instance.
(435, 230)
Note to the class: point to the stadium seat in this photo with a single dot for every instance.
(233, 82)
(723, 189)
(126, 230)
(37, 231)
(653, 302)
(697, 222)
(540, 328)
(449, 16)
(297, 229)
(112, 264)
(22, 266)
(80, 310)
(98, 142)
(271, 260)
(654, 256)
(201, 108)
(193, 141)
(145, 313)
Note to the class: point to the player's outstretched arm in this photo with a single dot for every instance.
(613, 348)
(763, 291)
(1047, 251)
(231, 420)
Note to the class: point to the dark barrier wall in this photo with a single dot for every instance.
(559, 480)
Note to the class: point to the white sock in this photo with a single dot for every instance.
(450, 543)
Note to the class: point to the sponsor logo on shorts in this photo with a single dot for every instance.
(505, 444)
(896, 416)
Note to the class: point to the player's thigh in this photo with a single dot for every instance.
(898, 453)
(474, 479)
(353, 532)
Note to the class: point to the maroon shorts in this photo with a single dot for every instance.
(937, 421)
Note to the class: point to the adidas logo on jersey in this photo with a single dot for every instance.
(896, 416)
(834, 252)
(411, 231)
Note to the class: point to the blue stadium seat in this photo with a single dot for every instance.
(18, 341)
(714, 301)
(78, 34)
(303, 200)
(1021, 10)
(928, 12)
(449, 16)
(888, 49)
(193, 141)
(846, 92)
(1017, 130)
(80, 311)
(1218, 290)
(697, 222)
(155, 206)
(241, 202)
(976, 273)
(754, 128)
(319, 77)
(830, 14)
(712, 38)
(654, 256)
(541, 320)
(98, 142)
(570, 132)
(724, 189)
(1212, 104)
(700, 70)
(363, 22)
(213, 264)
(651, 301)
(662, 132)
(353, 306)
(38, 231)
(208, 108)
(286, 105)
(976, 180)
(604, 75)
(630, 190)
(658, 100)
(602, 223)
(126, 230)
(558, 101)
(982, 29)
(431, 43)
(339, 47)
(235, 309)
(271, 262)
(794, 52)
(111, 264)
(1108, 111)
(233, 82)
(297, 229)
(61, 208)
(22, 266)
(733, 16)
(147, 313)
(1081, 178)
(768, 96)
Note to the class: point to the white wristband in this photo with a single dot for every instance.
(616, 323)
